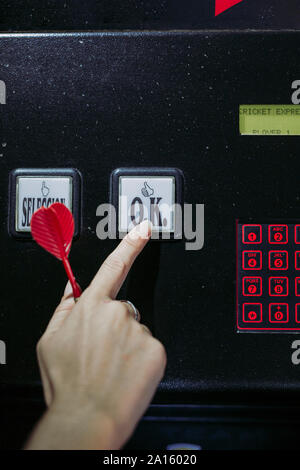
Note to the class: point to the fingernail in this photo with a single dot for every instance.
(143, 230)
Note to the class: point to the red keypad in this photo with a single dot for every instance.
(268, 277)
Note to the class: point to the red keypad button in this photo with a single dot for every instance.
(252, 260)
(252, 313)
(278, 313)
(251, 233)
(297, 234)
(297, 313)
(278, 234)
(297, 260)
(297, 286)
(278, 286)
(252, 286)
(278, 260)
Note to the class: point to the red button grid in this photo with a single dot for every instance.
(268, 277)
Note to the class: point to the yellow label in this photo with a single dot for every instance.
(269, 119)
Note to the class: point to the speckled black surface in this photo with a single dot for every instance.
(101, 101)
(41, 15)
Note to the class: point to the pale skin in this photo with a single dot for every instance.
(100, 368)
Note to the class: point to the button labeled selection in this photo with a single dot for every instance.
(252, 312)
(34, 192)
(278, 260)
(278, 286)
(278, 234)
(278, 313)
(252, 286)
(32, 188)
(251, 233)
(252, 260)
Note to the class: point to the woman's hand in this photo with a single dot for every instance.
(100, 367)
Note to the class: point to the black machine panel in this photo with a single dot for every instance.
(96, 102)
(42, 15)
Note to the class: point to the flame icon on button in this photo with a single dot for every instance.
(147, 191)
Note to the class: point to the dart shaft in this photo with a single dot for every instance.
(71, 277)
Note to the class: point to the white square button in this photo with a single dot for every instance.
(33, 192)
(147, 197)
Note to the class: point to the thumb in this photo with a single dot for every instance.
(63, 309)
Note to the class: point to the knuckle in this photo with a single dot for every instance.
(40, 345)
(119, 309)
(160, 351)
(123, 310)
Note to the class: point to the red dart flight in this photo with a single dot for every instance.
(53, 229)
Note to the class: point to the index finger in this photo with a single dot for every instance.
(115, 268)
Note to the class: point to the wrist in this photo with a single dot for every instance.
(93, 428)
(74, 426)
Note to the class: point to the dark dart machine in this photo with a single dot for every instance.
(204, 117)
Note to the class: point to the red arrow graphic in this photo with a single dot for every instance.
(222, 5)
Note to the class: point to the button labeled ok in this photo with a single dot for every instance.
(252, 286)
(147, 198)
(278, 286)
(252, 260)
(252, 313)
(278, 313)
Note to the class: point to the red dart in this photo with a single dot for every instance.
(53, 229)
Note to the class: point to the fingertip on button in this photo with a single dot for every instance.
(142, 230)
